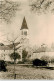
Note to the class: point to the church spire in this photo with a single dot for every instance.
(24, 24)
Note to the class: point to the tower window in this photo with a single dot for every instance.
(25, 32)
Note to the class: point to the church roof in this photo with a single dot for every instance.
(24, 24)
(8, 47)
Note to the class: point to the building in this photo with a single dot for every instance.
(24, 40)
(24, 34)
(6, 50)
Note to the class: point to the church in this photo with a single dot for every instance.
(24, 34)
(6, 50)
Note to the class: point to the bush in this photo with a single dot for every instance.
(9, 62)
(20, 62)
(3, 65)
(38, 62)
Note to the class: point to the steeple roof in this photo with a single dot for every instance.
(24, 24)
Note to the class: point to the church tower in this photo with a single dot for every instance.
(24, 29)
(24, 38)
(24, 34)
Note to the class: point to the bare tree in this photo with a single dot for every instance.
(40, 6)
(8, 9)
(13, 45)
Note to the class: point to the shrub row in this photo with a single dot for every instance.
(38, 62)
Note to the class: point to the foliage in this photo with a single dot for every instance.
(40, 6)
(42, 48)
(8, 10)
(14, 56)
(1, 44)
(24, 55)
(20, 62)
(3, 66)
(38, 62)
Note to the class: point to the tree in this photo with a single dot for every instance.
(15, 56)
(14, 48)
(24, 55)
(42, 48)
(40, 6)
(8, 9)
(1, 44)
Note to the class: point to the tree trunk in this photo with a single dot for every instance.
(14, 61)
(14, 71)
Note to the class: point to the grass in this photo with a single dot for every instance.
(24, 72)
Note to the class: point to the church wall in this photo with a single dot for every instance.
(4, 55)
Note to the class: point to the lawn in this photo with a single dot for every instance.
(24, 72)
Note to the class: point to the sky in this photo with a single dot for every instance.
(41, 27)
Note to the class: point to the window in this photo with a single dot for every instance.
(25, 32)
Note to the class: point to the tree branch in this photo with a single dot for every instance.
(8, 10)
(41, 5)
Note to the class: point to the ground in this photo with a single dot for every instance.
(24, 72)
